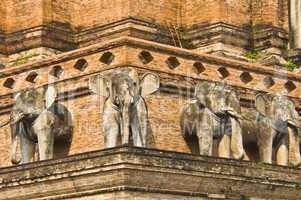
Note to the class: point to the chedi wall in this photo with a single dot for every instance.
(209, 84)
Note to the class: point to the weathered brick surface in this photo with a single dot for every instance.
(272, 13)
(68, 25)
(213, 11)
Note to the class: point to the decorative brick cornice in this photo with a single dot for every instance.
(126, 50)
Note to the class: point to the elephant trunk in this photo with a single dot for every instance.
(125, 123)
(14, 122)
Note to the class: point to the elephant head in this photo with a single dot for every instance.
(278, 124)
(224, 100)
(124, 93)
(33, 102)
(123, 86)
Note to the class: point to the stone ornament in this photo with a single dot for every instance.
(36, 119)
(125, 112)
(214, 113)
(278, 127)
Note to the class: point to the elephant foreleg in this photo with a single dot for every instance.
(224, 147)
(204, 133)
(46, 143)
(27, 149)
(294, 148)
(140, 125)
(282, 152)
(111, 132)
(205, 137)
(236, 140)
(43, 128)
(265, 143)
(111, 126)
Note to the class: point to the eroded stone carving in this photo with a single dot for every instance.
(36, 119)
(125, 112)
(214, 113)
(278, 127)
(295, 21)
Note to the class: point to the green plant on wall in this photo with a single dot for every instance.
(25, 59)
(290, 65)
(253, 55)
(243, 197)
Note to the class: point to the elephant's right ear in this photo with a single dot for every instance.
(202, 90)
(16, 96)
(149, 84)
(261, 103)
(50, 96)
(99, 85)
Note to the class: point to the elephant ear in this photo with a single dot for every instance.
(149, 84)
(50, 96)
(99, 85)
(16, 96)
(293, 111)
(261, 103)
(233, 101)
(202, 89)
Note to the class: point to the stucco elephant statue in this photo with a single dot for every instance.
(277, 126)
(36, 119)
(125, 114)
(214, 113)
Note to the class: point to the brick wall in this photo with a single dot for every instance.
(164, 107)
(273, 13)
(23, 14)
(213, 11)
(2, 15)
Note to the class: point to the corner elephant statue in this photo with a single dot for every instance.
(125, 114)
(277, 126)
(214, 113)
(36, 119)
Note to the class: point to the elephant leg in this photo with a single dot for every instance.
(282, 152)
(237, 148)
(111, 126)
(125, 124)
(265, 143)
(46, 143)
(111, 132)
(205, 137)
(139, 124)
(265, 151)
(204, 131)
(224, 150)
(43, 128)
(294, 147)
(27, 149)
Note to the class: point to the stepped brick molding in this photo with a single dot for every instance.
(125, 173)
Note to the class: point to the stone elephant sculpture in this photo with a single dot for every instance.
(214, 113)
(277, 126)
(36, 119)
(125, 114)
